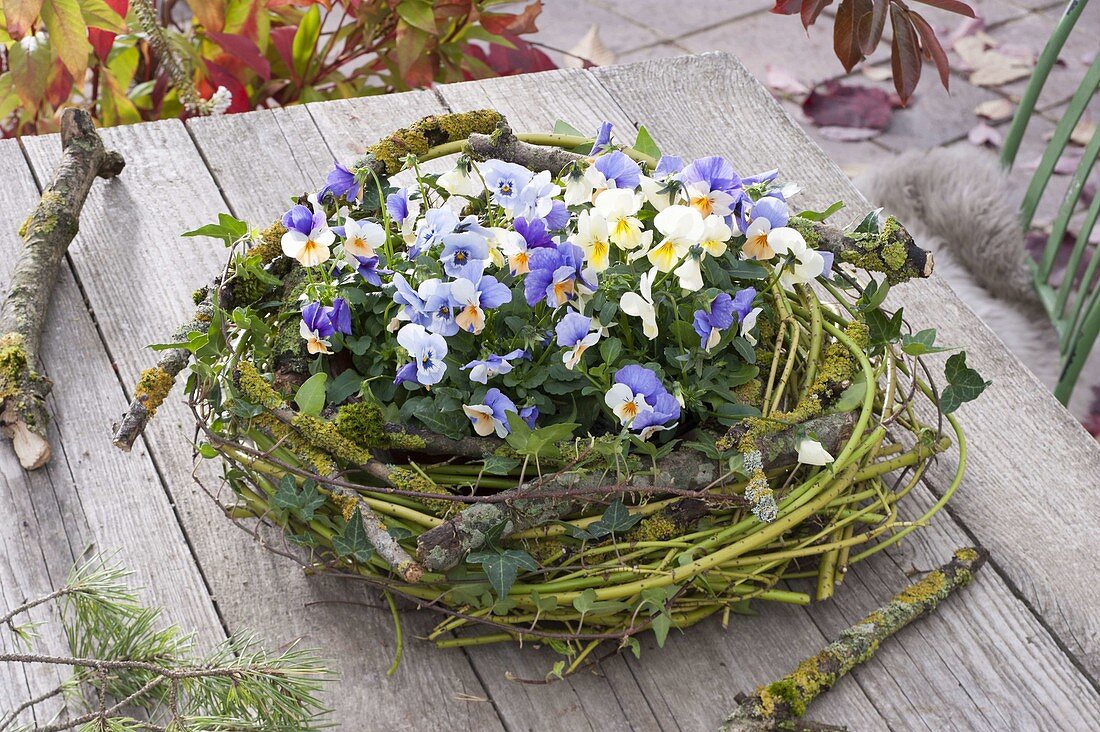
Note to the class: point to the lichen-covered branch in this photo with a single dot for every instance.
(379, 536)
(546, 499)
(46, 237)
(775, 706)
(502, 144)
(155, 382)
(891, 251)
(387, 156)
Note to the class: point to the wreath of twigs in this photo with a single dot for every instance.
(684, 544)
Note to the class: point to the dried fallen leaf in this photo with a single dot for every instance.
(988, 64)
(848, 134)
(995, 110)
(833, 104)
(783, 82)
(878, 73)
(589, 51)
(982, 134)
(1083, 132)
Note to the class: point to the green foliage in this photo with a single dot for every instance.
(351, 542)
(302, 502)
(113, 57)
(617, 519)
(964, 384)
(238, 685)
(310, 396)
(921, 343)
(502, 565)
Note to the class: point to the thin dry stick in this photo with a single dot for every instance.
(46, 237)
(778, 705)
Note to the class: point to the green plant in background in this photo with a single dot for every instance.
(120, 60)
(130, 673)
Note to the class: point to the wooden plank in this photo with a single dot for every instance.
(88, 497)
(640, 694)
(744, 123)
(131, 260)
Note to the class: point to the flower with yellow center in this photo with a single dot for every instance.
(618, 207)
(682, 228)
(592, 237)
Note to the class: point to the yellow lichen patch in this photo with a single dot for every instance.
(323, 435)
(271, 242)
(256, 388)
(654, 528)
(929, 588)
(44, 220)
(406, 479)
(429, 132)
(13, 363)
(153, 387)
(346, 503)
(966, 555)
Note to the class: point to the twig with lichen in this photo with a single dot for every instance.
(46, 236)
(539, 501)
(778, 705)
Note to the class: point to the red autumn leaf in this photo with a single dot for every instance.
(220, 76)
(787, 7)
(811, 9)
(932, 49)
(905, 58)
(846, 31)
(283, 40)
(833, 104)
(871, 26)
(522, 59)
(951, 6)
(102, 40)
(500, 24)
(243, 50)
(20, 15)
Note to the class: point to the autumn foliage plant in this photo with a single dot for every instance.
(859, 26)
(567, 391)
(125, 63)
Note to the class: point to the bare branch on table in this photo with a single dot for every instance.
(540, 501)
(779, 705)
(46, 237)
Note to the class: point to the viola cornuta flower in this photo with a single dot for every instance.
(575, 332)
(361, 238)
(491, 416)
(428, 351)
(481, 370)
(308, 236)
(640, 304)
(505, 182)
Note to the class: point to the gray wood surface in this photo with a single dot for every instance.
(1018, 650)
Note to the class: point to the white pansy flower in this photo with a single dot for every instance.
(811, 452)
(641, 305)
(682, 227)
(748, 324)
(716, 234)
(619, 206)
(805, 264)
(362, 237)
(592, 237)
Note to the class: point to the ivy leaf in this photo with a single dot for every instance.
(561, 127)
(303, 503)
(883, 328)
(874, 293)
(501, 567)
(645, 144)
(921, 343)
(964, 384)
(351, 542)
(500, 464)
(310, 396)
(661, 624)
(617, 519)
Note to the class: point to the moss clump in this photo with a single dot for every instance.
(13, 363)
(324, 436)
(657, 527)
(256, 388)
(322, 462)
(153, 387)
(406, 479)
(270, 244)
(363, 424)
(430, 132)
(546, 552)
(199, 295)
(751, 392)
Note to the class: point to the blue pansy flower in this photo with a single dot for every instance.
(554, 275)
(491, 416)
(340, 182)
(505, 181)
(481, 370)
(575, 333)
(533, 232)
(529, 415)
(724, 311)
(711, 185)
(428, 351)
(536, 200)
(437, 223)
(618, 170)
(603, 138)
(668, 165)
(368, 269)
(640, 401)
(439, 307)
(464, 254)
(321, 322)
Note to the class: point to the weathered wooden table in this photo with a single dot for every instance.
(1018, 650)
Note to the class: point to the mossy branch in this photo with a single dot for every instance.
(544, 500)
(46, 237)
(779, 704)
(890, 251)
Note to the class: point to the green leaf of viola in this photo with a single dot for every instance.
(561, 127)
(310, 396)
(634, 645)
(744, 349)
(351, 542)
(610, 350)
(964, 384)
(644, 144)
(921, 343)
(822, 215)
(543, 441)
(343, 386)
(744, 269)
